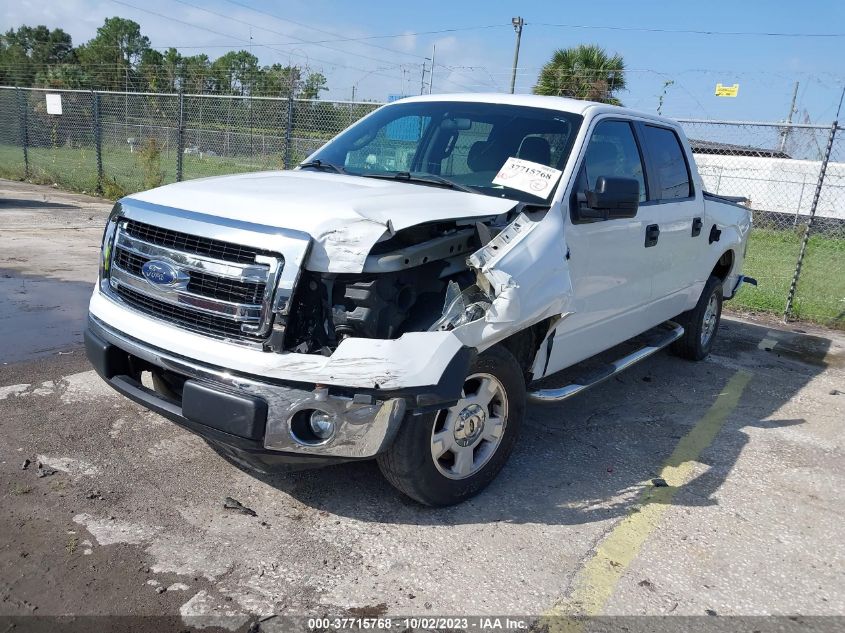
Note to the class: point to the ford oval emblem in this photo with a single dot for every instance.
(161, 273)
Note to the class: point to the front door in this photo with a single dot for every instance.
(610, 266)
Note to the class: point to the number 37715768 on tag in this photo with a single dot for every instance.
(524, 175)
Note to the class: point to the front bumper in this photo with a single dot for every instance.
(248, 415)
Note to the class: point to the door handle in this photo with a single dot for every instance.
(696, 226)
(652, 232)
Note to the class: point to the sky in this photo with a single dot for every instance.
(474, 44)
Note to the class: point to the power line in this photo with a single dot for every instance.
(361, 40)
(226, 35)
(319, 30)
(272, 48)
(684, 31)
(264, 28)
(408, 34)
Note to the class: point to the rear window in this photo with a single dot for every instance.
(668, 157)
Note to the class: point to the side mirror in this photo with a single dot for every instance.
(612, 198)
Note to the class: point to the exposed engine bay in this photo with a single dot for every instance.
(415, 280)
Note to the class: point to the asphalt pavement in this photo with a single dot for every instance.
(686, 489)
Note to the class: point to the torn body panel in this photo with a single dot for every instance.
(416, 359)
(525, 272)
(353, 213)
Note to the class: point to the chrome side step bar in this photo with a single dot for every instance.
(671, 332)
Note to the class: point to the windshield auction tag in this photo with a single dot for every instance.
(533, 178)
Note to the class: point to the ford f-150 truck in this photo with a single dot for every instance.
(400, 293)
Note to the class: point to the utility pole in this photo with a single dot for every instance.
(422, 79)
(517, 22)
(785, 133)
(431, 74)
(353, 92)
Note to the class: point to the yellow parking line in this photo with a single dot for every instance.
(597, 579)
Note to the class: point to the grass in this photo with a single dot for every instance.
(20, 489)
(76, 168)
(820, 296)
(72, 544)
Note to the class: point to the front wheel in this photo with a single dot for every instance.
(443, 458)
(701, 323)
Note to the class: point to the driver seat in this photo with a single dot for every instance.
(536, 149)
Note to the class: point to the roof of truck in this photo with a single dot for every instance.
(564, 104)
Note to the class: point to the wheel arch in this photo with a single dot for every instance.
(525, 345)
(724, 265)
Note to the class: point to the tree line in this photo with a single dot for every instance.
(119, 57)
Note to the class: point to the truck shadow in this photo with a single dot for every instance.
(593, 457)
(24, 203)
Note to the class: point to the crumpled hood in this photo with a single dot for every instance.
(345, 215)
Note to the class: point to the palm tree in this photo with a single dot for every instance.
(583, 72)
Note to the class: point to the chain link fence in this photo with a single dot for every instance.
(116, 143)
(778, 168)
(818, 287)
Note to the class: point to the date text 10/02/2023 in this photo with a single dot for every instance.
(480, 623)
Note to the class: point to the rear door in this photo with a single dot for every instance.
(676, 210)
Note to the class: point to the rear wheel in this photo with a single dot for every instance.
(446, 457)
(701, 323)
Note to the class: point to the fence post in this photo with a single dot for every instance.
(289, 132)
(98, 142)
(180, 137)
(819, 184)
(24, 131)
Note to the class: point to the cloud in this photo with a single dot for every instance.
(374, 71)
(407, 43)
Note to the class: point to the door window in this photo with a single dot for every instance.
(612, 151)
(666, 154)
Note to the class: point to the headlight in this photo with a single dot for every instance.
(108, 240)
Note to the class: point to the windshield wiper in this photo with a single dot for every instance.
(321, 164)
(432, 179)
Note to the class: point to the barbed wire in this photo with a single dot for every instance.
(467, 78)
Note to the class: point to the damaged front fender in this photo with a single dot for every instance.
(525, 275)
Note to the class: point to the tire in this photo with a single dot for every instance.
(701, 323)
(410, 464)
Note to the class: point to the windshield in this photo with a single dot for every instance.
(463, 143)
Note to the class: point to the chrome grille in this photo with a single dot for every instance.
(179, 241)
(224, 290)
(191, 319)
(200, 283)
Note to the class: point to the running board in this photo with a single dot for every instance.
(671, 332)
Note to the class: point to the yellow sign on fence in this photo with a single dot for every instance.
(727, 91)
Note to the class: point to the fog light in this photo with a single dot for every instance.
(322, 425)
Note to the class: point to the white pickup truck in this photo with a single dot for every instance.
(399, 294)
